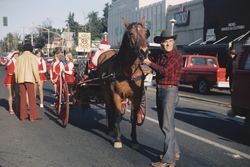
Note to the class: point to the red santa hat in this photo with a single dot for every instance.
(104, 45)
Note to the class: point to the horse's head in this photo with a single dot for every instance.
(137, 37)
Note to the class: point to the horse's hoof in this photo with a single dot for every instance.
(117, 144)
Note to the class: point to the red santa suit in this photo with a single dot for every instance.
(103, 46)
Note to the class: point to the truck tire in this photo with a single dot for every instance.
(202, 86)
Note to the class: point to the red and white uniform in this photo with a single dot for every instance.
(10, 75)
(56, 69)
(69, 73)
(42, 69)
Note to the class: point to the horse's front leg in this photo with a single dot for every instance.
(118, 118)
(134, 109)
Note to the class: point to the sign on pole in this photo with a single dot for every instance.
(5, 21)
(84, 42)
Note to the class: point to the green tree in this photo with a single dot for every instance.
(105, 18)
(113, 2)
(41, 38)
(95, 26)
(10, 42)
(73, 26)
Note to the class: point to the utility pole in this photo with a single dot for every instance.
(172, 21)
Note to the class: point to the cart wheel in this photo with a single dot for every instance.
(65, 105)
(62, 101)
(58, 96)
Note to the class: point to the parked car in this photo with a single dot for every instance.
(203, 73)
(240, 95)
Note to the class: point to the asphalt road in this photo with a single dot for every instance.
(207, 137)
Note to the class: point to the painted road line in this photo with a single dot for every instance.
(234, 151)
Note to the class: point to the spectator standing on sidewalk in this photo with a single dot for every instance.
(230, 67)
(9, 80)
(42, 70)
(27, 75)
(167, 66)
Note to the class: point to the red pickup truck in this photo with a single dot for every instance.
(203, 72)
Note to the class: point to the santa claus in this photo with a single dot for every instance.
(103, 47)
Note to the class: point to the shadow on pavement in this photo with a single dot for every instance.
(4, 104)
(90, 120)
(216, 123)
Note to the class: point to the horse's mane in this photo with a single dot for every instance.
(124, 44)
(126, 47)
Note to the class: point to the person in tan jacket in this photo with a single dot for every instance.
(27, 75)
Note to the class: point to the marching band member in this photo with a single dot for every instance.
(69, 71)
(56, 69)
(42, 70)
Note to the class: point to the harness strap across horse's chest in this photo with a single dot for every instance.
(140, 77)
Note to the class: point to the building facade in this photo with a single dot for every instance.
(198, 22)
(154, 12)
(189, 25)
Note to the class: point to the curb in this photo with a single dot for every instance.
(206, 100)
(198, 98)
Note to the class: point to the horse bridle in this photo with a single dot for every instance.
(140, 52)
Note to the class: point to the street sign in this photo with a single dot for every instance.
(5, 21)
(84, 42)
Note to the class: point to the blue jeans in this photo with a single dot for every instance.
(166, 101)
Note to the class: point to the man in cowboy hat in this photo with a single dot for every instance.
(167, 66)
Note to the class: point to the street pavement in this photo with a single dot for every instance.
(207, 137)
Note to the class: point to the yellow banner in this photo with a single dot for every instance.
(84, 42)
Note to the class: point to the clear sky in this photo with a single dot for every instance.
(25, 14)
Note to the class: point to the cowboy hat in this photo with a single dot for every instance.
(164, 36)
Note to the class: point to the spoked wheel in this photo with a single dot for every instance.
(62, 104)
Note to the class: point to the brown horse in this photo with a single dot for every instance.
(127, 81)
